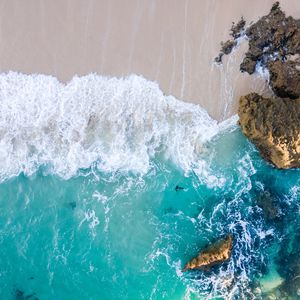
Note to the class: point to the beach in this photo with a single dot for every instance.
(134, 165)
(171, 42)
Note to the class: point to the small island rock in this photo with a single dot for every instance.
(216, 253)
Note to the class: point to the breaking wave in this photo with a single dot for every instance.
(117, 123)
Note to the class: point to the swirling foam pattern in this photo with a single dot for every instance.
(89, 208)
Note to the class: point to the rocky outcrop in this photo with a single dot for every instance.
(273, 36)
(273, 125)
(285, 78)
(235, 32)
(216, 253)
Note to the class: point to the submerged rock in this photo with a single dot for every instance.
(288, 261)
(266, 202)
(216, 253)
(273, 125)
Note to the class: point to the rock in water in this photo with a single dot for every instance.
(273, 125)
(216, 253)
(266, 202)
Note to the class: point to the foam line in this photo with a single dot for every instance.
(120, 123)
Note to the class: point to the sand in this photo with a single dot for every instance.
(172, 42)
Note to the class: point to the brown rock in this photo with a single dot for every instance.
(248, 65)
(285, 78)
(216, 253)
(227, 47)
(272, 36)
(273, 125)
(218, 59)
(238, 28)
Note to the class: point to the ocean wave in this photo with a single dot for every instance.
(119, 123)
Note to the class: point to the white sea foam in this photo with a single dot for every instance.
(120, 123)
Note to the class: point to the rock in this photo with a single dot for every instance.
(218, 59)
(285, 78)
(266, 202)
(227, 47)
(216, 253)
(272, 36)
(248, 65)
(238, 28)
(273, 125)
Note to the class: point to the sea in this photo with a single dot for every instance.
(108, 187)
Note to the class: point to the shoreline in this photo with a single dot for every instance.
(172, 44)
(125, 172)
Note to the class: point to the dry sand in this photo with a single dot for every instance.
(172, 42)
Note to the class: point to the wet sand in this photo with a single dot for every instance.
(172, 42)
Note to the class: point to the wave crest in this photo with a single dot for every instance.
(120, 123)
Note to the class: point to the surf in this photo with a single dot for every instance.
(117, 123)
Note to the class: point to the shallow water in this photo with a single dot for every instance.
(95, 214)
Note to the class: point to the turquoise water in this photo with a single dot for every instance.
(126, 236)
(89, 209)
